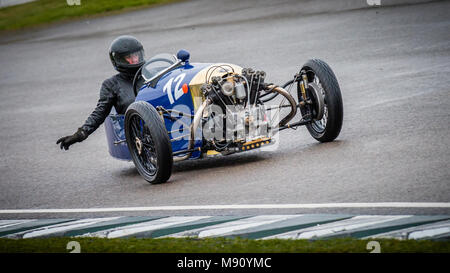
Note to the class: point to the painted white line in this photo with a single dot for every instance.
(244, 206)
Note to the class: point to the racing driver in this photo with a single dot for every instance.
(127, 56)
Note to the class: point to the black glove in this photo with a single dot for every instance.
(66, 141)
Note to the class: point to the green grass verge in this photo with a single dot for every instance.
(49, 11)
(218, 245)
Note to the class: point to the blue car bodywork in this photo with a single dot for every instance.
(167, 92)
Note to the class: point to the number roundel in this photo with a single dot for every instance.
(178, 89)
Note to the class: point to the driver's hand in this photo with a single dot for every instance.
(66, 141)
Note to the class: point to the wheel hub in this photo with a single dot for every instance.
(138, 143)
(318, 98)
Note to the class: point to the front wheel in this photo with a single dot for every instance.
(148, 142)
(322, 79)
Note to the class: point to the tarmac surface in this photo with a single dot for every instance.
(392, 62)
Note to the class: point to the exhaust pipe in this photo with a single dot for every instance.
(194, 125)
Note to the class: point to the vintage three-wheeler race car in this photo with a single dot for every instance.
(187, 110)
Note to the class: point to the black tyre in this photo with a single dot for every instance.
(148, 142)
(320, 76)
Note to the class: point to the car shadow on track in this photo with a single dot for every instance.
(217, 162)
(236, 160)
(202, 164)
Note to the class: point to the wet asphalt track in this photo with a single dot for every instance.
(392, 63)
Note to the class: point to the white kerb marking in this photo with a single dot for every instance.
(65, 227)
(335, 227)
(225, 228)
(428, 233)
(10, 223)
(153, 225)
(361, 221)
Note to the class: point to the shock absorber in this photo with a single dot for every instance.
(304, 85)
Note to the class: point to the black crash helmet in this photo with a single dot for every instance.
(126, 54)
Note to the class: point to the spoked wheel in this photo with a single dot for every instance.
(148, 142)
(323, 88)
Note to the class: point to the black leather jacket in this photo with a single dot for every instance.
(116, 91)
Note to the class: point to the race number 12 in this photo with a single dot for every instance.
(178, 90)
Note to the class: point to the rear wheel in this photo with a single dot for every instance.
(148, 142)
(326, 125)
